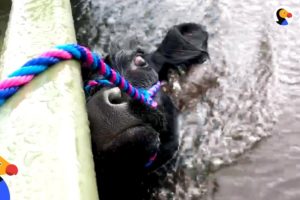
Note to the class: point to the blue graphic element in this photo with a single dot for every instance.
(4, 191)
(284, 22)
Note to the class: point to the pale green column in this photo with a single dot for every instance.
(44, 127)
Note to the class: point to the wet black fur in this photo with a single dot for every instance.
(120, 163)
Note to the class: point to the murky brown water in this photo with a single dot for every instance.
(248, 91)
(270, 171)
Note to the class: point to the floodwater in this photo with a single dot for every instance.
(240, 110)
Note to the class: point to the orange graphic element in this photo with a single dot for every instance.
(7, 168)
(284, 13)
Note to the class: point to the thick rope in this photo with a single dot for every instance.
(88, 59)
(151, 160)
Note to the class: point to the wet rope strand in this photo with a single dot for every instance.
(88, 59)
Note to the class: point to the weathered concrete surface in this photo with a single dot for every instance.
(44, 128)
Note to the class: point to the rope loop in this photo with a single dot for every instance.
(88, 59)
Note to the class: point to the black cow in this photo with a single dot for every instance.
(125, 133)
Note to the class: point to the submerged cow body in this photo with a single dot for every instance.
(126, 135)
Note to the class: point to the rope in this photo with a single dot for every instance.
(88, 59)
(151, 160)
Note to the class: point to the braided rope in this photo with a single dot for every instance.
(97, 82)
(151, 160)
(88, 59)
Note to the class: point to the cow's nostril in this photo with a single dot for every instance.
(114, 96)
(115, 99)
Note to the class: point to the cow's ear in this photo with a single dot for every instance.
(184, 45)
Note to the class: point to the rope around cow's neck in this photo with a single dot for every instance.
(88, 59)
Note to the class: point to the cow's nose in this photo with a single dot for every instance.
(109, 113)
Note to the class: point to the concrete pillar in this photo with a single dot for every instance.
(44, 128)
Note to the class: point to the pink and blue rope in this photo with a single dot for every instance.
(97, 82)
(151, 160)
(90, 60)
